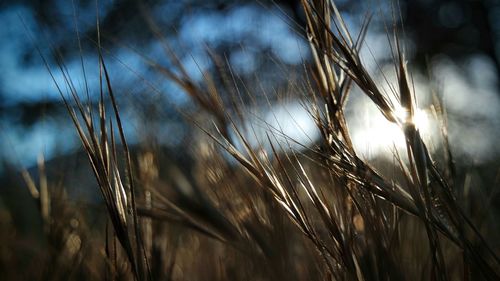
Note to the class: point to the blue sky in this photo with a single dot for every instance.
(251, 26)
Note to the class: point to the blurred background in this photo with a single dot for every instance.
(453, 48)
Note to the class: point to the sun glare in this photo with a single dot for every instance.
(375, 135)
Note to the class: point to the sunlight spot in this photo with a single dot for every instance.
(422, 121)
(373, 135)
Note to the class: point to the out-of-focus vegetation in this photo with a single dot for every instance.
(249, 140)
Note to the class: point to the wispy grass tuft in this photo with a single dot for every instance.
(279, 210)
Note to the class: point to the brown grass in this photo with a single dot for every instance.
(319, 213)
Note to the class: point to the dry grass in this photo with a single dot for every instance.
(318, 213)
